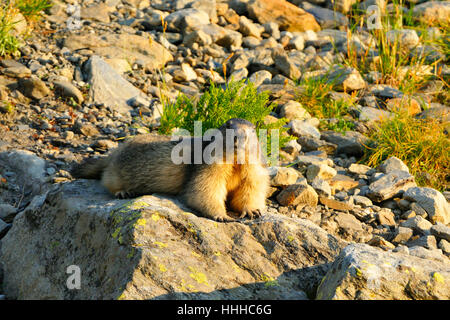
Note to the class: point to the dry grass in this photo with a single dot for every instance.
(423, 145)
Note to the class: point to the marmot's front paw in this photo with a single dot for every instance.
(124, 194)
(223, 218)
(255, 213)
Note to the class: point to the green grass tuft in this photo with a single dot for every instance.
(9, 44)
(32, 9)
(315, 98)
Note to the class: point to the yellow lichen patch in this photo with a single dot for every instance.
(269, 281)
(290, 238)
(54, 244)
(117, 219)
(131, 253)
(154, 257)
(338, 292)
(191, 228)
(217, 253)
(235, 267)
(138, 205)
(121, 297)
(141, 222)
(358, 272)
(438, 277)
(368, 264)
(198, 276)
(162, 268)
(156, 217)
(186, 287)
(195, 254)
(160, 244)
(121, 209)
(116, 233)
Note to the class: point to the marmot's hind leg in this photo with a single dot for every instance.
(114, 183)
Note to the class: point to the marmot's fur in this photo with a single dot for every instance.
(144, 166)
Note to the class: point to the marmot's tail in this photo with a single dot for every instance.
(91, 168)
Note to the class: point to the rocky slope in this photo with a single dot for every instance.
(79, 92)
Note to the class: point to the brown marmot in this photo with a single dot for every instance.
(146, 165)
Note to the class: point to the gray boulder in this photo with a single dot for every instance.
(363, 272)
(29, 174)
(432, 201)
(352, 143)
(326, 18)
(153, 248)
(110, 88)
(391, 164)
(389, 185)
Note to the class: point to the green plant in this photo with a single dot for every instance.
(9, 44)
(422, 144)
(32, 9)
(6, 107)
(217, 105)
(316, 99)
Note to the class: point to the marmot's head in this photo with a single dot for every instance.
(240, 140)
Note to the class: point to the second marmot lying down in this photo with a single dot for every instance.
(145, 165)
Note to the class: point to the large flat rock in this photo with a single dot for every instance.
(288, 16)
(122, 46)
(153, 248)
(363, 272)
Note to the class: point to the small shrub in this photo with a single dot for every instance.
(217, 105)
(422, 144)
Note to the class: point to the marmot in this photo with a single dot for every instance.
(145, 165)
